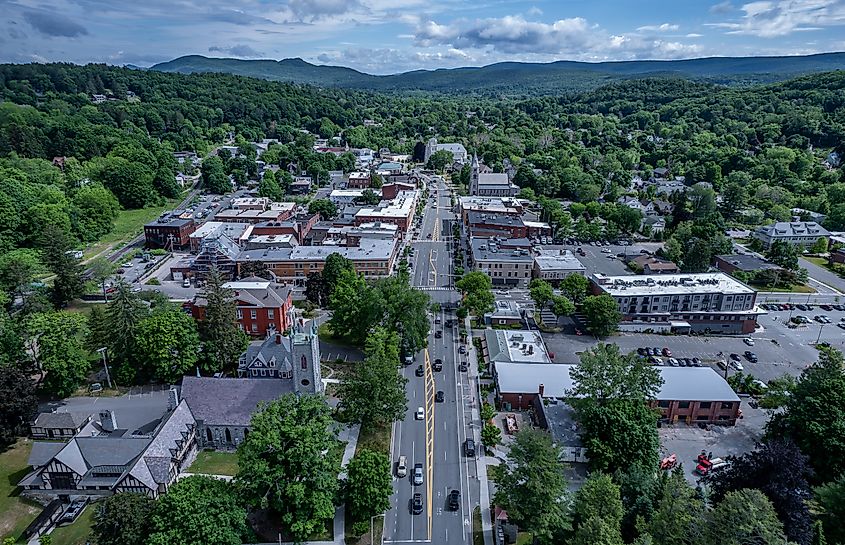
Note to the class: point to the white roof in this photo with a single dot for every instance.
(254, 285)
(679, 383)
(670, 284)
(400, 207)
(551, 260)
(507, 345)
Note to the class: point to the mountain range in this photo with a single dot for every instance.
(517, 77)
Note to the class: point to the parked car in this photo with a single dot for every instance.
(735, 357)
(672, 361)
(642, 351)
(418, 474)
(748, 341)
(751, 356)
(462, 367)
(438, 334)
(666, 351)
(416, 504)
(462, 349)
(469, 448)
(736, 365)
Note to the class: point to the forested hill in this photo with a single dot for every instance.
(517, 77)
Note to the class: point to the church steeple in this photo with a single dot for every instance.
(475, 169)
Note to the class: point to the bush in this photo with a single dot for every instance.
(158, 251)
(153, 282)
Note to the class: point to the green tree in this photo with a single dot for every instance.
(605, 373)
(222, 341)
(602, 314)
(56, 340)
(830, 498)
(123, 519)
(130, 181)
(562, 306)
(574, 287)
(491, 435)
(352, 307)
(439, 160)
(375, 391)
(335, 264)
(677, 514)
(477, 292)
(18, 268)
(816, 432)
(198, 510)
(283, 463)
(18, 403)
(268, 187)
(819, 247)
(783, 255)
(118, 328)
(532, 487)
(742, 517)
(214, 176)
(368, 485)
(57, 253)
(326, 208)
(96, 209)
(541, 292)
(598, 498)
(167, 344)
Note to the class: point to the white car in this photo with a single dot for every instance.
(748, 341)
(736, 365)
(420, 414)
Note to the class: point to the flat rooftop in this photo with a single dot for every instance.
(400, 207)
(557, 260)
(670, 284)
(369, 250)
(485, 249)
(508, 345)
(679, 383)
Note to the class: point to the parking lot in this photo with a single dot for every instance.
(604, 259)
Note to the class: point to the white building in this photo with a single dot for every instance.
(555, 265)
(458, 151)
(797, 233)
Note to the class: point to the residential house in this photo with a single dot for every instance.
(655, 265)
(796, 233)
(58, 424)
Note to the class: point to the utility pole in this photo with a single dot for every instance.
(102, 351)
(821, 327)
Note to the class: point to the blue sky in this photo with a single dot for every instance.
(388, 36)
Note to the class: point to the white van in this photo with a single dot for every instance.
(402, 466)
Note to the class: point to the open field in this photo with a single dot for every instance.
(215, 463)
(15, 512)
(128, 224)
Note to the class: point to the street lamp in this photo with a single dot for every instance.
(102, 352)
(821, 327)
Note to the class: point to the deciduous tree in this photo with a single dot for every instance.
(368, 485)
(167, 344)
(742, 517)
(123, 519)
(602, 314)
(477, 291)
(56, 340)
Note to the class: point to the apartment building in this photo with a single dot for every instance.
(797, 233)
(505, 265)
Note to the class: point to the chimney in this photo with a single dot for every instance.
(108, 420)
(172, 399)
(278, 338)
(542, 389)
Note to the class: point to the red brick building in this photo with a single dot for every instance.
(359, 180)
(481, 224)
(263, 306)
(169, 231)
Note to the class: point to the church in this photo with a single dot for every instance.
(489, 184)
(458, 151)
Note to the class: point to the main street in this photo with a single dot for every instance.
(437, 441)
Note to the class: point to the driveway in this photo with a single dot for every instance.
(132, 411)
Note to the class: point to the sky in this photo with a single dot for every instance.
(390, 36)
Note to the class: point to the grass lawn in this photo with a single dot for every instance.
(820, 261)
(523, 538)
(215, 463)
(325, 332)
(375, 438)
(78, 532)
(797, 288)
(15, 513)
(81, 307)
(128, 224)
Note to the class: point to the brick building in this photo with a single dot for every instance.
(170, 230)
(263, 306)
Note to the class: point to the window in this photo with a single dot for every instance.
(254, 327)
(208, 434)
(253, 314)
(727, 405)
(228, 436)
(663, 404)
(303, 362)
(704, 405)
(683, 404)
(263, 373)
(240, 314)
(271, 313)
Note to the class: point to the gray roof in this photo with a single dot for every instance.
(274, 352)
(747, 262)
(794, 229)
(679, 383)
(504, 220)
(154, 466)
(230, 401)
(43, 451)
(110, 451)
(484, 249)
(63, 420)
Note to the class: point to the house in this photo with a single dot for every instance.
(98, 99)
(505, 313)
(655, 265)
(655, 224)
(103, 458)
(171, 231)
(731, 263)
(660, 173)
(58, 424)
(631, 202)
(301, 185)
(490, 184)
(458, 151)
(799, 214)
(702, 302)
(693, 395)
(359, 180)
(263, 306)
(796, 233)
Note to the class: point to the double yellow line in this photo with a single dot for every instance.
(429, 438)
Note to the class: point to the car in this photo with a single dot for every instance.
(469, 448)
(438, 334)
(736, 365)
(649, 351)
(656, 351)
(641, 351)
(751, 356)
(420, 414)
(826, 319)
(722, 364)
(652, 360)
(672, 361)
(186, 283)
(428, 235)
(841, 325)
(418, 474)
(463, 366)
(826, 307)
(696, 362)
(454, 500)
(95, 388)
(74, 510)
(819, 318)
(120, 271)
(610, 256)
(645, 252)
(439, 397)
(839, 307)
(666, 352)
(802, 307)
(438, 365)
(416, 504)
(437, 320)
(462, 349)
(735, 357)
(402, 466)
(420, 371)
(748, 341)
(606, 250)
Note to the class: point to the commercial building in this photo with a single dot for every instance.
(299, 226)
(399, 211)
(797, 233)
(344, 197)
(238, 232)
(505, 266)
(489, 205)
(172, 230)
(514, 346)
(731, 263)
(359, 180)
(483, 224)
(373, 258)
(706, 302)
(505, 313)
(555, 265)
(256, 210)
(263, 306)
(694, 395)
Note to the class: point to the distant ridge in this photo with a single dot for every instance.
(517, 77)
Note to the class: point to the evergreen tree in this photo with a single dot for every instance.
(223, 342)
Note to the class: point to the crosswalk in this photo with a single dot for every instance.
(433, 288)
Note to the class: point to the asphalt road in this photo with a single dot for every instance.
(437, 441)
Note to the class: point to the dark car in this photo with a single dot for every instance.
(751, 356)
(438, 334)
(420, 371)
(802, 307)
(735, 357)
(469, 448)
(666, 351)
(696, 362)
(462, 367)
(416, 504)
(462, 349)
(649, 351)
(657, 351)
(641, 351)
(826, 307)
(438, 365)
(454, 500)
(439, 397)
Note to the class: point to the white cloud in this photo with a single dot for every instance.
(693, 35)
(391, 61)
(769, 19)
(575, 38)
(722, 7)
(534, 10)
(665, 27)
